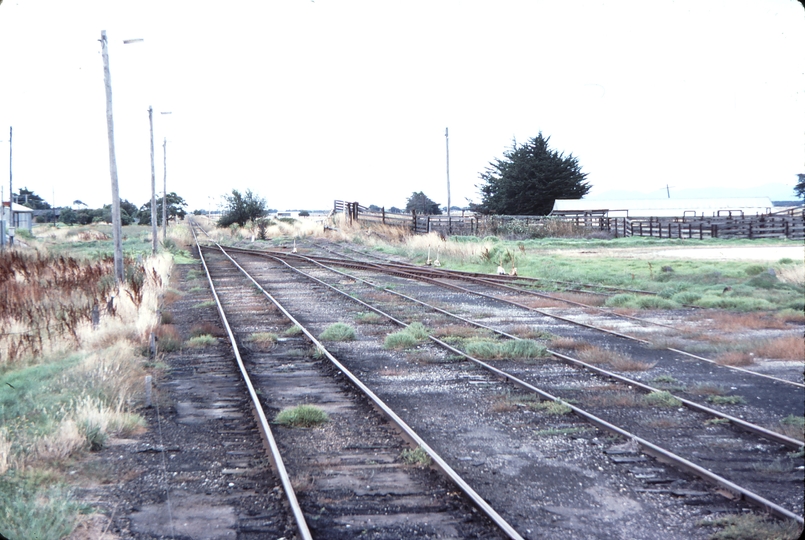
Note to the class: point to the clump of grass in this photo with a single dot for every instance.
(706, 390)
(559, 342)
(295, 330)
(784, 348)
(554, 408)
(406, 338)
(166, 317)
(726, 400)
(734, 358)
(400, 340)
(338, 332)
(32, 507)
(302, 416)
(416, 456)
(203, 305)
(529, 332)
(661, 399)
(621, 362)
(199, 342)
(524, 348)
(168, 339)
(752, 527)
(665, 379)
(793, 426)
(369, 318)
(205, 328)
(264, 338)
(487, 349)
(456, 331)
(716, 421)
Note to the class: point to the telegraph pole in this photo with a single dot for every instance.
(116, 226)
(165, 189)
(153, 187)
(10, 190)
(447, 148)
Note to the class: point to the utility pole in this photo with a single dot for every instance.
(153, 187)
(10, 191)
(447, 147)
(165, 189)
(668, 190)
(116, 226)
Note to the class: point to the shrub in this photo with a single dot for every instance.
(622, 300)
(168, 339)
(482, 349)
(293, 331)
(655, 302)
(369, 318)
(524, 348)
(302, 416)
(686, 297)
(754, 269)
(338, 332)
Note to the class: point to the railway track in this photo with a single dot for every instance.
(349, 475)
(736, 439)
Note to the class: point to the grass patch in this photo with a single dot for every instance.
(488, 349)
(199, 342)
(369, 318)
(665, 379)
(726, 400)
(751, 527)
(209, 328)
(734, 358)
(793, 426)
(168, 339)
(783, 348)
(263, 338)
(203, 305)
(553, 408)
(295, 330)
(338, 332)
(661, 399)
(32, 507)
(416, 456)
(555, 432)
(716, 422)
(302, 416)
(406, 338)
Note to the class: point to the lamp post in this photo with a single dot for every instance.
(116, 225)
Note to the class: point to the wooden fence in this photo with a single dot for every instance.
(786, 224)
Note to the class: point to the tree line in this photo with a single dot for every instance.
(80, 214)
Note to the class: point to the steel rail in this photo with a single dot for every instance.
(265, 429)
(646, 446)
(747, 426)
(434, 281)
(409, 433)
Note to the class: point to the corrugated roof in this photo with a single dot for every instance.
(667, 207)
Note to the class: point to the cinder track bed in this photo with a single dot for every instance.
(348, 474)
(554, 484)
(763, 466)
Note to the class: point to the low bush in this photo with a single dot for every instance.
(417, 456)
(204, 340)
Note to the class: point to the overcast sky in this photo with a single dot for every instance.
(305, 102)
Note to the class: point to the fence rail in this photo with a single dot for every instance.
(782, 224)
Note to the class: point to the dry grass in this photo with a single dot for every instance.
(735, 358)
(5, 452)
(705, 390)
(783, 348)
(616, 399)
(537, 302)
(791, 273)
(207, 328)
(739, 322)
(528, 332)
(583, 298)
(567, 343)
(624, 363)
(458, 330)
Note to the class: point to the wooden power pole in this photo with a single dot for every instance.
(116, 225)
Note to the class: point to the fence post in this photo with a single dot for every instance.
(413, 216)
(383, 210)
(428, 223)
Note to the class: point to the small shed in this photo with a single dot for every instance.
(22, 217)
(735, 206)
